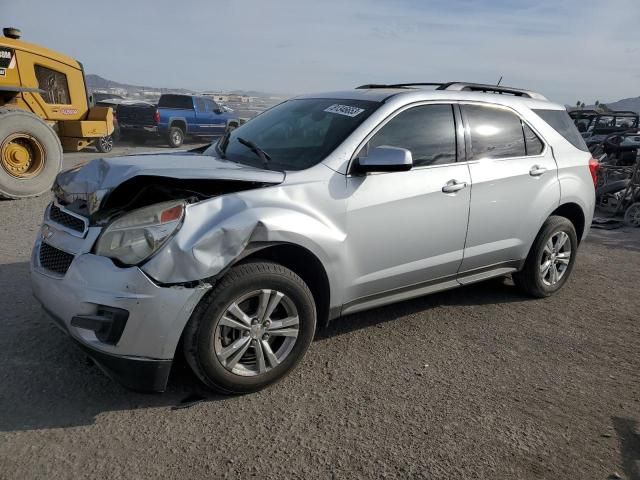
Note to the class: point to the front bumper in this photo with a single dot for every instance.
(141, 356)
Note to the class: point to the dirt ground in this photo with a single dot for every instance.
(478, 382)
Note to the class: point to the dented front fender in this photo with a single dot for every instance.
(216, 232)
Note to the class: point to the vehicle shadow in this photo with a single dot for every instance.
(628, 432)
(49, 383)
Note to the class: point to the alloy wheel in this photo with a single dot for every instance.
(256, 332)
(556, 258)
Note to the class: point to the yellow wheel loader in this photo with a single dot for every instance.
(44, 108)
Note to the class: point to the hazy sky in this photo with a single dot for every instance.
(557, 47)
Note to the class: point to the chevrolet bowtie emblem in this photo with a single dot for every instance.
(46, 232)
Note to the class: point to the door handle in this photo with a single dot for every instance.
(453, 186)
(537, 170)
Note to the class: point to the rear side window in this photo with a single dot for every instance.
(182, 102)
(495, 133)
(533, 144)
(562, 123)
(427, 131)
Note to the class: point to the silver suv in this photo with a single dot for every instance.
(322, 206)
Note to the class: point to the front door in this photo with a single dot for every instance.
(218, 122)
(406, 230)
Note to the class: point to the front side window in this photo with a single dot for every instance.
(427, 131)
(296, 134)
(55, 89)
(495, 133)
(211, 106)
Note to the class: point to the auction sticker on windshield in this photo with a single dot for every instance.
(347, 110)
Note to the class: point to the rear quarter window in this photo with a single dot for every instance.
(561, 122)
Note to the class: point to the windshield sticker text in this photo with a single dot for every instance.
(347, 110)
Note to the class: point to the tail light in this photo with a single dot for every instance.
(594, 166)
(156, 117)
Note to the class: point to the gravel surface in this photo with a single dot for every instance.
(478, 382)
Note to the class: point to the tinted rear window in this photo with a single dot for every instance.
(562, 123)
(176, 101)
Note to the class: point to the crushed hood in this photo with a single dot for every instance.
(91, 183)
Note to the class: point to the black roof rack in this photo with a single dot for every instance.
(607, 113)
(462, 86)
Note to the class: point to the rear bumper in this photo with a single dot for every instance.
(138, 130)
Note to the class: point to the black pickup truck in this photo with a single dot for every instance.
(174, 118)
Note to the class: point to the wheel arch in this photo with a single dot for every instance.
(574, 213)
(180, 123)
(305, 264)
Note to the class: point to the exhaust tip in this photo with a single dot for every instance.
(11, 32)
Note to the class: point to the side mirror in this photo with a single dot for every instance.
(386, 159)
(218, 111)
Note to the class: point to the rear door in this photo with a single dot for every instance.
(514, 187)
(406, 230)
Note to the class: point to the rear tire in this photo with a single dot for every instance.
(550, 260)
(175, 138)
(31, 175)
(267, 354)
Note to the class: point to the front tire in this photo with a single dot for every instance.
(175, 138)
(550, 260)
(252, 329)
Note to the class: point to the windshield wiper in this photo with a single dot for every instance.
(264, 156)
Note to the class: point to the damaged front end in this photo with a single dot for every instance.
(110, 220)
(103, 188)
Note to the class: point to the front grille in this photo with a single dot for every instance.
(54, 260)
(63, 218)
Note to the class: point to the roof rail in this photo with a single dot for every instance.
(397, 85)
(481, 87)
(461, 86)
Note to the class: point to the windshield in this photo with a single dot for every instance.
(296, 134)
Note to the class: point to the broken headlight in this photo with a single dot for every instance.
(136, 235)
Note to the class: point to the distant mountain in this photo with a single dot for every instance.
(98, 82)
(632, 104)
